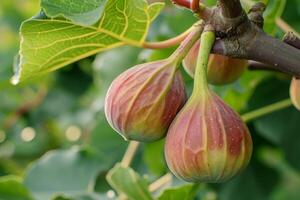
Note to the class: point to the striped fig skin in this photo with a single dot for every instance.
(207, 141)
(221, 69)
(142, 102)
(295, 92)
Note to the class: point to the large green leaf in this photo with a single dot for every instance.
(254, 183)
(86, 12)
(128, 183)
(277, 127)
(48, 44)
(70, 172)
(11, 188)
(185, 192)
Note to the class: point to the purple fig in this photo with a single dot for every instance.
(207, 141)
(221, 69)
(142, 102)
(295, 92)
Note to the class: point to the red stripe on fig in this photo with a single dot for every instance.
(207, 141)
(295, 92)
(221, 69)
(142, 102)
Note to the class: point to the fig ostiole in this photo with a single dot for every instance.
(207, 141)
(295, 92)
(221, 69)
(142, 101)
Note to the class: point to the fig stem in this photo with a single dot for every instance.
(130, 153)
(247, 117)
(285, 26)
(168, 43)
(200, 80)
(162, 181)
(179, 54)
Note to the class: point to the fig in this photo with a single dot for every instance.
(142, 102)
(221, 69)
(207, 141)
(295, 92)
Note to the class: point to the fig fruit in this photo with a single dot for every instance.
(295, 92)
(221, 69)
(207, 141)
(142, 102)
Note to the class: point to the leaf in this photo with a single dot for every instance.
(104, 141)
(85, 12)
(277, 127)
(288, 187)
(69, 172)
(185, 192)
(154, 157)
(274, 10)
(128, 183)
(49, 44)
(271, 126)
(256, 182)
(11, 188)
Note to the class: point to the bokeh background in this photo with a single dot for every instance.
(54, 139)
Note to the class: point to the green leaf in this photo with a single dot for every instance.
(85, 12)
(70, 172)
(104, 141)
(277, 127)
(274, 10)
(154, 157)
(256, 182)
(11, 188)
(128, 183)
(49, 44)
(185, 192)
(288, 187)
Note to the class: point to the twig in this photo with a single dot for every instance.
(130, 153)
(165, 179)
(286, 27)
(266, 110)
(291, 39)
(167, 43)
(231, 8)
(288, 38)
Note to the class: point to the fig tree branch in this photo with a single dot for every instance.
(231, 8)
(291, 39)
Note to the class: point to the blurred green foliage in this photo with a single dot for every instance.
(55, 142)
